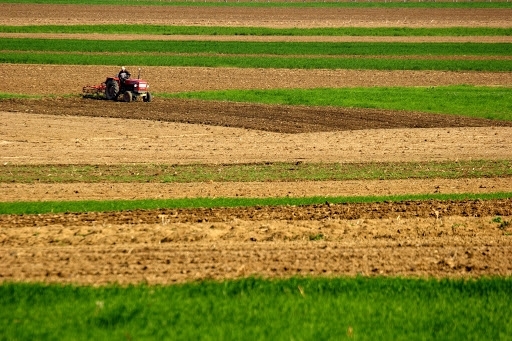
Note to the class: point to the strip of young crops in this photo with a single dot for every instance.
(260, 172)
(261, 31)
(252, 309)
(482, 102)
(255, 62)
(289, 49)
(380, 56)
(42, 207)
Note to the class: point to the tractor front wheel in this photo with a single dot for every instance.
(111, 90)
(127, 96)
(147, 98)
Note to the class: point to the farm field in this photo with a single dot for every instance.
(425, 239)
(304, 171)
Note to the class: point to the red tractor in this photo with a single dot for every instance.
(114, 87)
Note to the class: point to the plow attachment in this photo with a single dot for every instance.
(93, 90)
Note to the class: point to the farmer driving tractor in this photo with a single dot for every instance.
(123, 75)
(122, 86)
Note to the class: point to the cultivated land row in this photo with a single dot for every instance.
(325, 39)
(274, 17)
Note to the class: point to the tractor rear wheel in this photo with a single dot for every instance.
(127, 96)
(111, 90)
(147, 98)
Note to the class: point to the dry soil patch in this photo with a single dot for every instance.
(41, 14)
(69, 79)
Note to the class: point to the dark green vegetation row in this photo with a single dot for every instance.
(261, 31)
(256, 62)
(287, 49)
(256, 309)
(306, 55)
(42, 207)
(258, 172)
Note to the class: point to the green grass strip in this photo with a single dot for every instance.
(261, 31)
(277, 3)
(4, 96)
(256, 62)
(257, 172)
(41, 207)
(472, 101)
(357, 308)
(258, 48)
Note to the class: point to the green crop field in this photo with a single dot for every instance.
(256, 62)
(482, 102)
(294, 309)
(378, 56)
(256, 48)
(42, 207)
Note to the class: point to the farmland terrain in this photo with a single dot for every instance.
(415, 238)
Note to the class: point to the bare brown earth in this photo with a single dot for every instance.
(131, 191)
(23, 14)
(69, 79)
(426, 238)
(327, 240)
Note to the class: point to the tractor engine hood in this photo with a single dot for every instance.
(137, 83)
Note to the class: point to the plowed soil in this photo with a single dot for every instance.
(432, 238)
(410, 239)
(23, 14)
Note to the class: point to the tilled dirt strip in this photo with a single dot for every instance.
(165, 252)
(278, 17)
(406, 209)
(171, 264)
(98, 140)
(253, 116)
(69, 79)
(128, 191)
